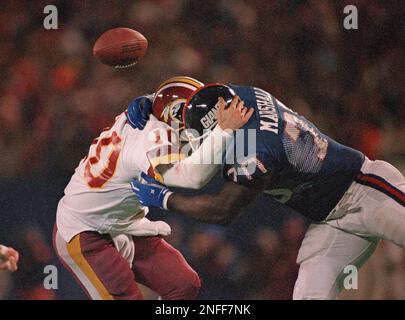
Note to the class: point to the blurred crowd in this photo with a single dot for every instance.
(55, 97)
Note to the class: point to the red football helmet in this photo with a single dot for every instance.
(170, 98)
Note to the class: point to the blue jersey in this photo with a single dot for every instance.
(309, 172)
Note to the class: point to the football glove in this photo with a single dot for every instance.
(150, 192)
(138, 111)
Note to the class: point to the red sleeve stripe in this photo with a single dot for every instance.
(382, 185)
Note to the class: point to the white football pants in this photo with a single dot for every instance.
(373, 208)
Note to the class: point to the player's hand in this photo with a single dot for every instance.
(139, 110)
(150, 192)
(8, 258)
(235, 116)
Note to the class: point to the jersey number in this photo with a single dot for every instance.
(294, 126)
(98, 180)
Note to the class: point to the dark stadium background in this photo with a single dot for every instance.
(55, 98)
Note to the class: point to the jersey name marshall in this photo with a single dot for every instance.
(267, 111)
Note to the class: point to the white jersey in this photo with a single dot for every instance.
(99, 196)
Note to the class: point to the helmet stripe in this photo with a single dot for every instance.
(177, 84)
(181, 79)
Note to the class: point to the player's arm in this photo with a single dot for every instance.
(219, 208)
(192, 172)
(8, 258)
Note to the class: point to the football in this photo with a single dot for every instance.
(120, 47)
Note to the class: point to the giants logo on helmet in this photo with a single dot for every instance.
(210, 119)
